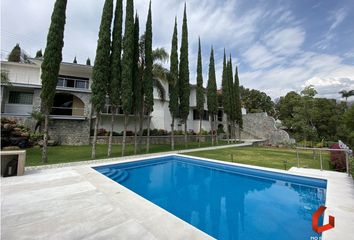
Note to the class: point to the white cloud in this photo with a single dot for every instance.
(285, 41)
(337, 17)
(258, 56)
(327, 73)
(331, 86)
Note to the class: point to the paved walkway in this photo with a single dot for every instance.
(339, 201)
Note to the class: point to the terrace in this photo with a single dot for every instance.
(72, 200)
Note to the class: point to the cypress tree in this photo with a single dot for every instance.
(137, 88)
(39, 54)
(148, 81)
(114, 88)
(239, 119)
(88, 62)
(173, 83)
(127, 66)
(231, 99)
(15, 54)
(212, 99)
(101, 69)
(51, 64)
(184, 88)
(225, 95)
(200, 90)
(75, 61)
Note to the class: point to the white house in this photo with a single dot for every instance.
(72, 113)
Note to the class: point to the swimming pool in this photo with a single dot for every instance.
(223, 200)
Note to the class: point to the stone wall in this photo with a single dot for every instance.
(70, 132)
(262, 126)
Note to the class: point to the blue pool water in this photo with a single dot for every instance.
(224, 201)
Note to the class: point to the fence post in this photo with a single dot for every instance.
(347, 162)
(321, 160)
(297, 156)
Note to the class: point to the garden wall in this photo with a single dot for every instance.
(153, 139)
(70, 132)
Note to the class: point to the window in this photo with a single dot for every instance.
(220, 114)
(80, 84)
(21, 98)
(196, 115)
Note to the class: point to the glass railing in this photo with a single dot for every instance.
(67, 82)
(67, 111)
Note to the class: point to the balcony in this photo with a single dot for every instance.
(67, 106)
(73, 82)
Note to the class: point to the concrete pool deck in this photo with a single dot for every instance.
(79, 203)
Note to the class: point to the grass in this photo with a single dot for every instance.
(65, 154)
(265, 157)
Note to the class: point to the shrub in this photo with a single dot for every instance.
(116, 134)
(154, 132)
(162, 132)
(102, 132)
(178, 132)
(338, 159)
(352, 168)
(204, 132)
(35, 137)
(129, 133)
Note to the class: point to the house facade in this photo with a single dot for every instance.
(72, 115)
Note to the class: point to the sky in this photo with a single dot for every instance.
(277, 45)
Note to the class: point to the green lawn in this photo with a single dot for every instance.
(64, 154)
(265, 157)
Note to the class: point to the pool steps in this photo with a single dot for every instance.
(117, 175)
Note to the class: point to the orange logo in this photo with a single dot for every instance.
(315, 218)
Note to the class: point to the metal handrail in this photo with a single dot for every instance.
(346, 151)
(65, 80)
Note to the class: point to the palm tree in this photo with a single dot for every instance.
(346, 94)
(159, 72)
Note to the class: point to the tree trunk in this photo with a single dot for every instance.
(185, 134)
(124, 133)
(216, 130)
(233, 132)
(109, 153)
(239, 133)
(173, 134)
(227, 130)
(45, 139)
(211, 130)
(148, 135)
(141, 123)
(235, 139)
(136, 132)
(200, 129)
(93, 153)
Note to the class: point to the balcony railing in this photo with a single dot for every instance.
(68, 111)
(67, 82)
